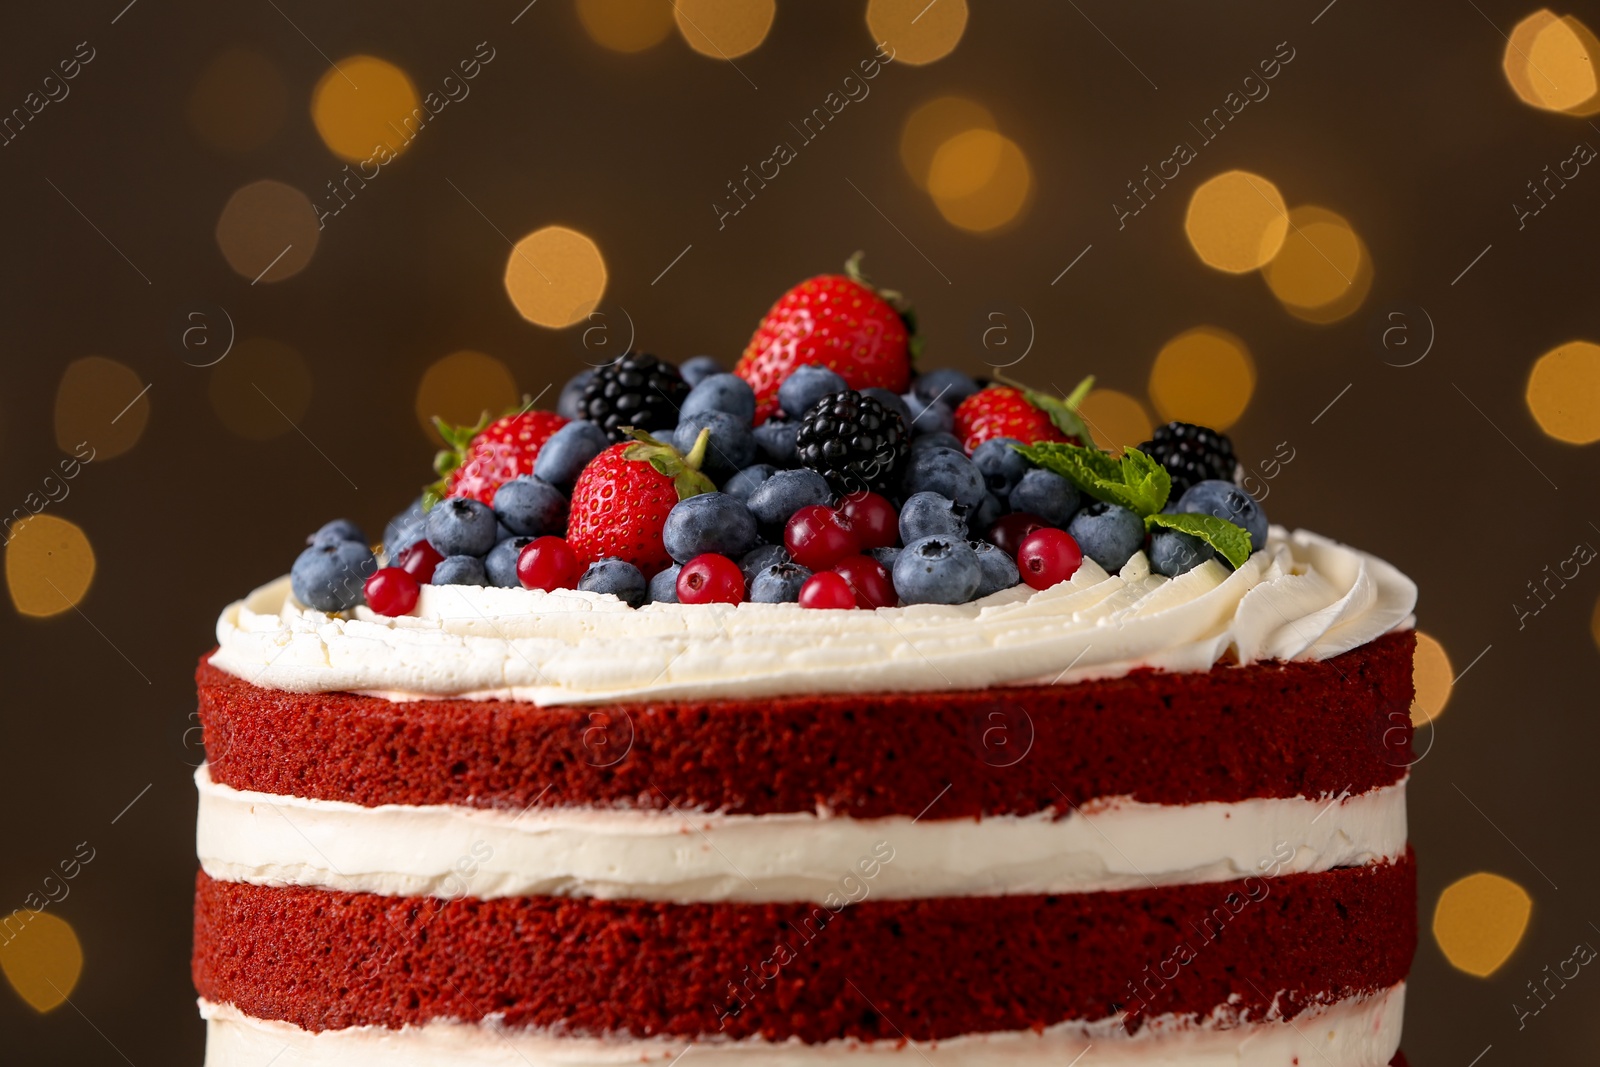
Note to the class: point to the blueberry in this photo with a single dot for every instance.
(760, 558)
(776, 440)
(1227, 501)
(1047, 495)
(805, 386)
(460, 570)
(404, 524)
(747, 481)
(337, 530)
(732, 445)
(986, 514)
(500, 565)
(530, 507)
(935, 440)
(727, 393)
(1109, 534)
(999, 569)
(1173, 552)
(461, 526)
(619, 578)
(785, 493)
(927, 514)
(1001, 465)
(562, 458)
(570, 405)
(697, 369)
(890, 400)
(945, 471)
(947, 385)
(937, 570)
(709, 522)
(929, 416)
(329, 576)
(664, 586)
(778, 583)
(403, 540)
(885, 556)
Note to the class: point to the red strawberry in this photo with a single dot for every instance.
(482, 458)
(621, 500)
(1029, 416)
(836, 320)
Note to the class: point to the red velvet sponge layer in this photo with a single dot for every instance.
(875, 970)
(1231, 733)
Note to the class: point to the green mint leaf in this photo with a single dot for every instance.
(1148, 482)
(1131, 484)
(1064, 413)
(1231, 542)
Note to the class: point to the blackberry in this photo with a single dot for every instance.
(1191, 454)
(853, 441)
(636, 390)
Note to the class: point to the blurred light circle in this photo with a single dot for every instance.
(49, 565)
(1323, 272)
(268, 231)
(1204, 376)
(1479, 921)
(1594, 624)
(462, 386)
(42, 960)
(917, 31)
(1550, 63)
(102, 403)
(724, 29)
(555, 276)
(261, 390)
(1115, 419)
(1434, 678)
(1237, 221)
(238, 102)
(626, 25)
(363, 103)
(934, 123)
(1564, 392)
(980, 180)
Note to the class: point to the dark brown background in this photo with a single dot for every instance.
(1399, 119)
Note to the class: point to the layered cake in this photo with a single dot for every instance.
(827, 712)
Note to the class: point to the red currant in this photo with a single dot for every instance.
(827, 590)
(872, 518)
(549, 563)
(1048, 556)
(1008, 531)
(868, 580)
(817, 537)
(419, 560)
(392, 591)
(710, 579)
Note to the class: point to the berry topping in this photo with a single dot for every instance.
(998, 569)
(636, 390)
(622, 580)
(549, 563)
(462, 526)
(1048, 495)
(817, 537)
(937, 570)
(827, 590)
(1173, 552)
(727, 393)
(710, 579)
(391, 591)
(747, 481)
(853, 441)
(562, 458)
(872, 517)
(697, 369)
(1030, 417)
(805, 388)
(419, 560)
(786, 492)
(1226, 501)
(531, 507)
(869, 581)
(1009, 530)
(1109, 534)
(664, 586)
(778, 583)
(623, 497)
(337, 530)
(1002, 466)
(480, 459)
(927, 514)
(947, 472)
(500, 565)
(460, 570)
(1191, 454)
(328, 575)
(709, 523)
(1048, 556)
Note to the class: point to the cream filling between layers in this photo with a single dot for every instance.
(1301, 597)
(1359, 1032)
(452, 851)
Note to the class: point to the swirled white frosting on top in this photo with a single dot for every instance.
(1301, 597)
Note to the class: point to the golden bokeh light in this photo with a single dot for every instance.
(49, 565)
(41, 958)
(555, 276)
(1323, 272)
(1479, 921)
(934, 123)
(626, 25)
(364, 105)
(1115, 419)
(1205, 376)
(1564, 392)
(1434, 679)
(268, 231)
(1594, 624)
(917, 31)
(724, 29)
(462, 386)
(1550, 63)
(980, 181)
(1237, 221)
(100, 404)
(238, 102)
(261, 390)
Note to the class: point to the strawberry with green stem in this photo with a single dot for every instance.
(479, 459)
(1030, 416)
(622, 499)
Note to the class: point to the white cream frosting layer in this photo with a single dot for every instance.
(1301, 597)
(1361, 1032)
(448, 851)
